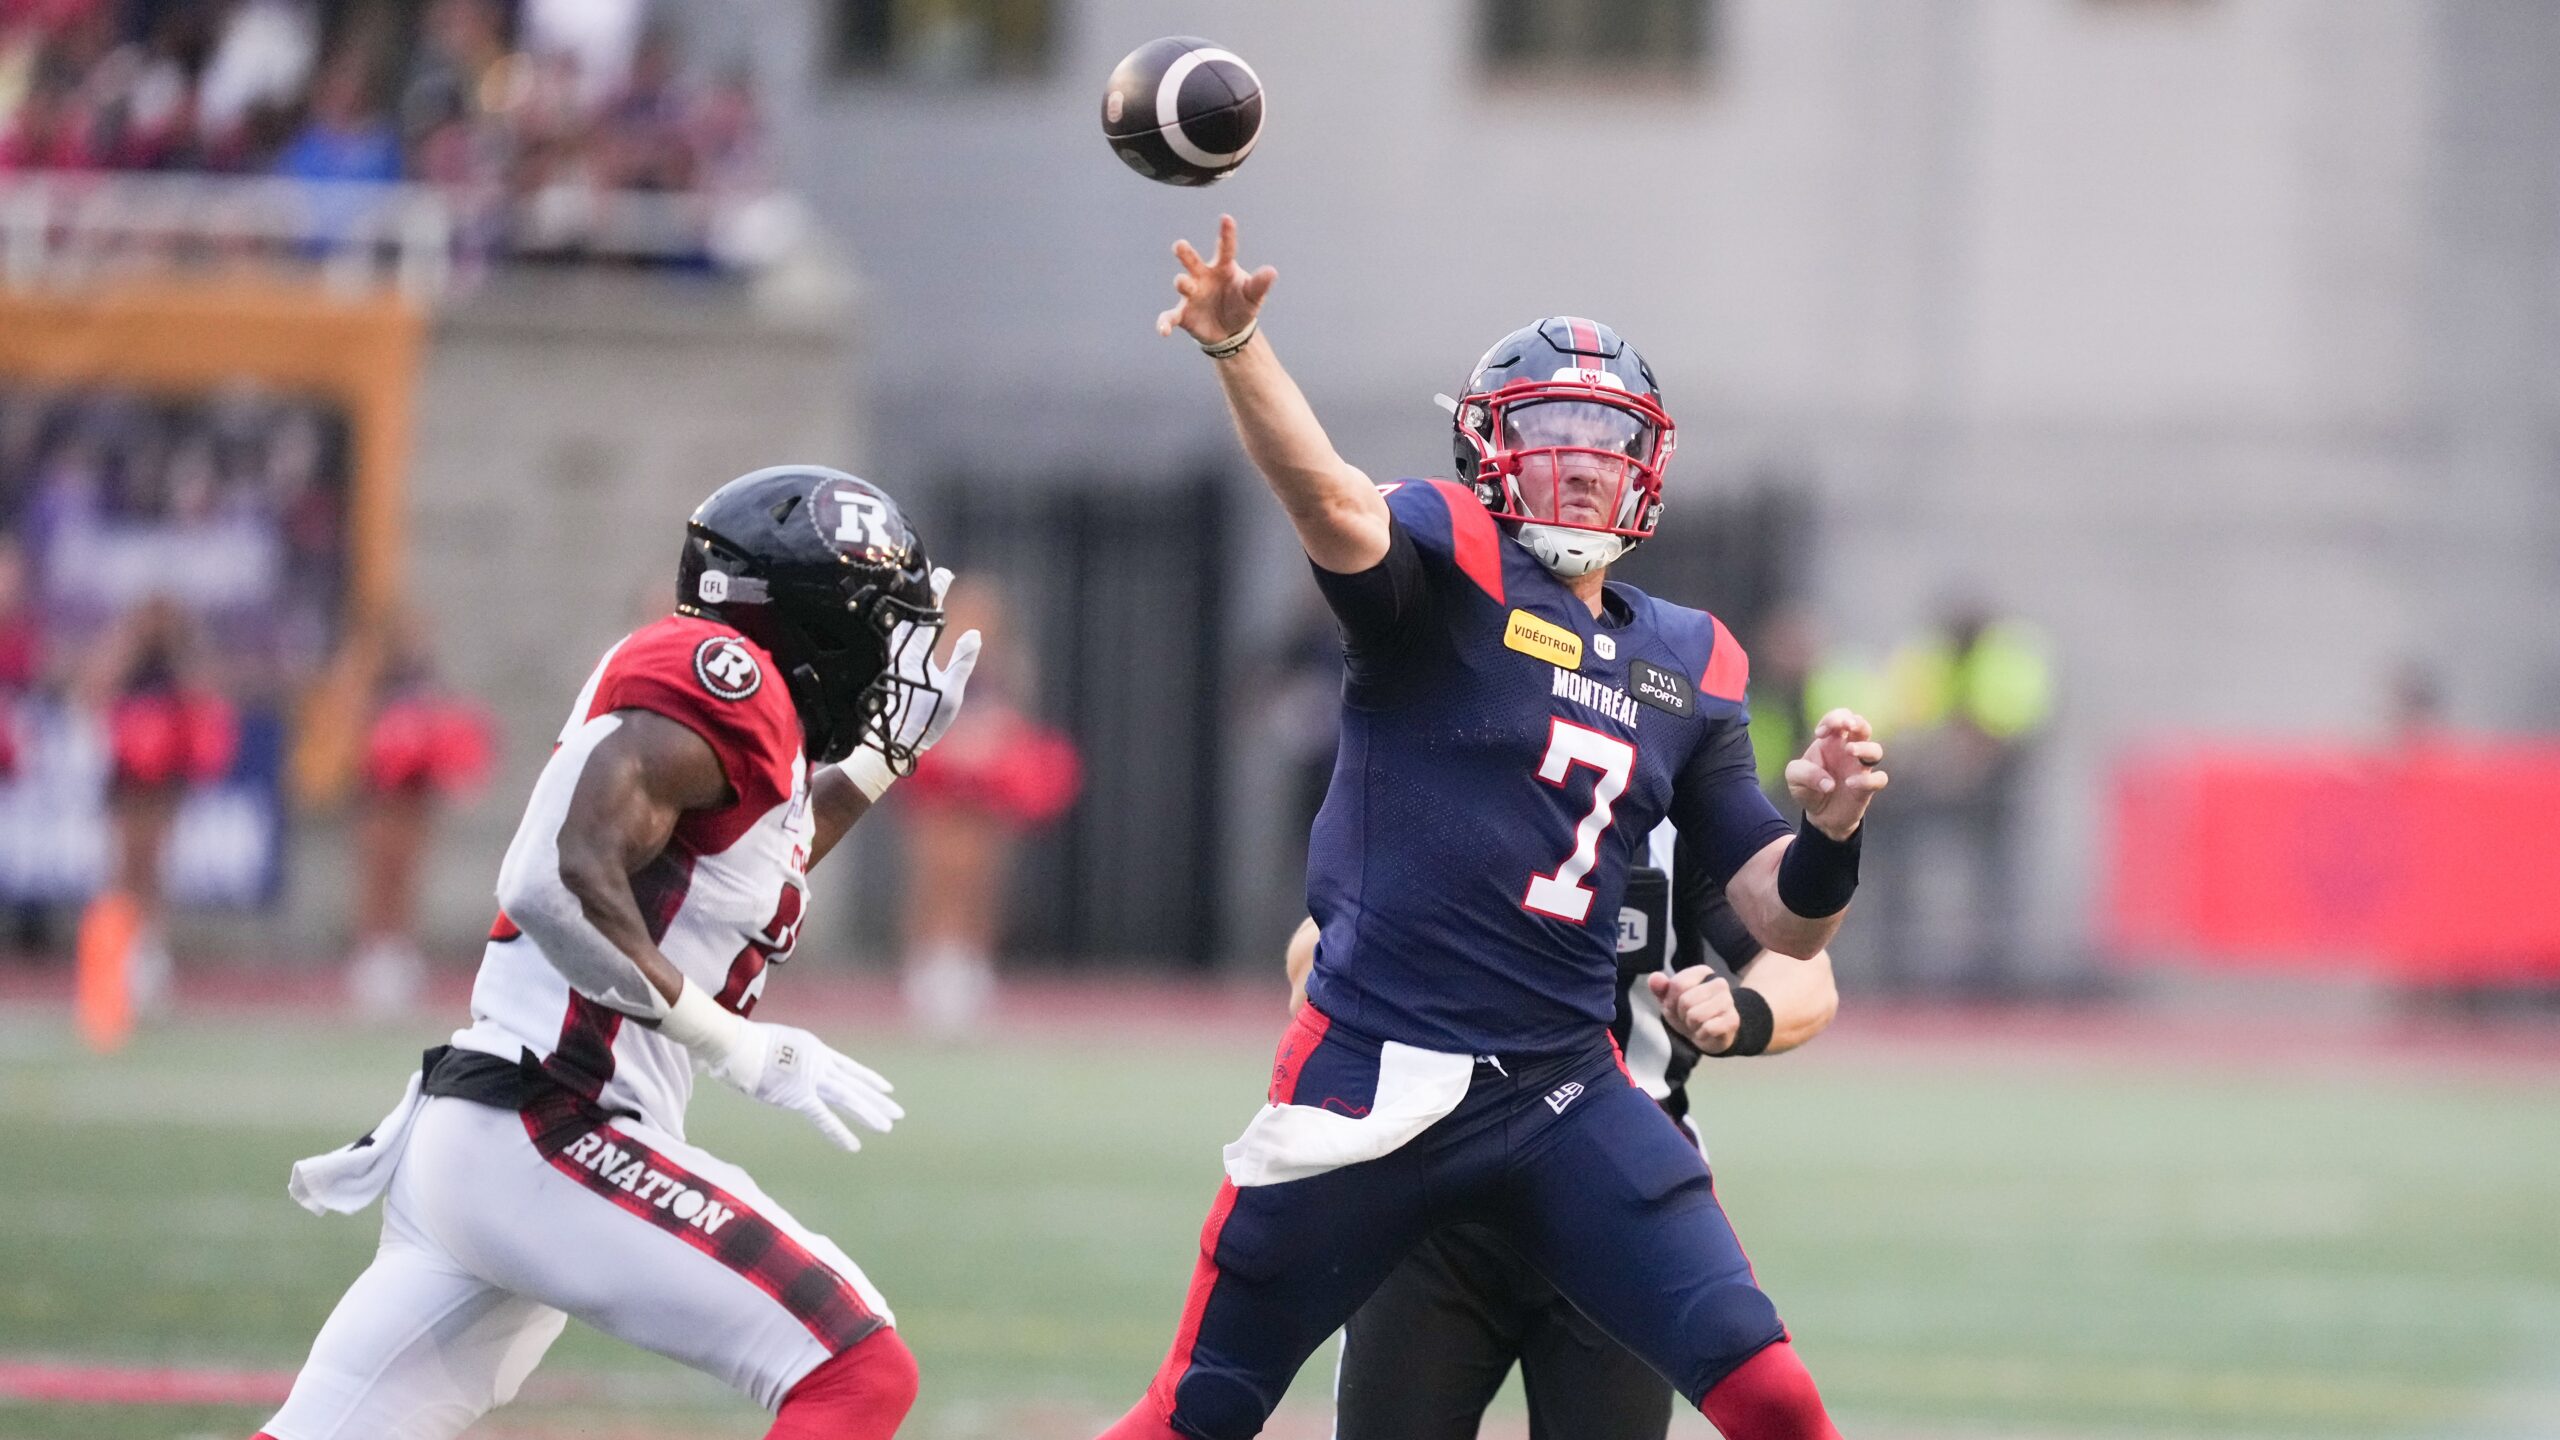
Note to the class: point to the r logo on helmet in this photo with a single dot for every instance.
(856, 519)
(727, 668)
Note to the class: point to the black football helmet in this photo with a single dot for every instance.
(1562, 432)
(819, 568)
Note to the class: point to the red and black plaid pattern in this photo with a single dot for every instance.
(589, 1149)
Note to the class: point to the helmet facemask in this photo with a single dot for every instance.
(1576, 466)
(899, 705)
(849, 679)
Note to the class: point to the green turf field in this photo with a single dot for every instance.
(1963, 1245)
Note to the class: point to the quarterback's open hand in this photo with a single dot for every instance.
(1838, 774)
(789, 1067)
(1698, 1003)
(1219, 298)
(930, 699)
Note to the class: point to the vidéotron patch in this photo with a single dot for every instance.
(1544, 639)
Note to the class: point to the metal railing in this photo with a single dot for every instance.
(429, 242)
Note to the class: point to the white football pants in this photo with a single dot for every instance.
(498, 1226)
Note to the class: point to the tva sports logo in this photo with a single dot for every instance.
(621, 1167)
(1564, 1095)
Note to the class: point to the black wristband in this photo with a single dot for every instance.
(1751, 1037)
(1818, 874)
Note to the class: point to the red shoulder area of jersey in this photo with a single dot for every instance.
(1728, 669)
(1473, 537)
(722, 686)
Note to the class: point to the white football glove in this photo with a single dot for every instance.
(915, 722)
(783, 1065)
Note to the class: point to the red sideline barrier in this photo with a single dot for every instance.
(2438, 861)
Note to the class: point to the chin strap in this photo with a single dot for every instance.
(1570, 552)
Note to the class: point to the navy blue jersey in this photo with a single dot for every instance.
(1504, 757)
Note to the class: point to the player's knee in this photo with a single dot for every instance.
(1727, 1320)
(890, 1374)
(1220, 1407)
(861, 1394)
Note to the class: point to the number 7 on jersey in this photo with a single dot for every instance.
(1562, 894)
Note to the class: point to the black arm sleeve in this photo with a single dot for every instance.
(1378, 607)
(1717, 803)
(1703, 917)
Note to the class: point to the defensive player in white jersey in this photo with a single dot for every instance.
(538, 1166)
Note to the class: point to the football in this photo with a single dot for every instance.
(1182, 110)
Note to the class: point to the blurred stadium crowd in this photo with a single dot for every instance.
(527, 117)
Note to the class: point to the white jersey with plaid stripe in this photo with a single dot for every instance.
(723, 901)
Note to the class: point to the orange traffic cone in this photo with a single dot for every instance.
(104, 996)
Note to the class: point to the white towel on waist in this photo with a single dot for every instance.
(1416, 1087)
(351, 1177)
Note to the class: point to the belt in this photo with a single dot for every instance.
(494, 1080)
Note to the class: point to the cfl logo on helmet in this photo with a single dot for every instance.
(727, 668)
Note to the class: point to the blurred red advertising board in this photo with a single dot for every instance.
(2438, 860)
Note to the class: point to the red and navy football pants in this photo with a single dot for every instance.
(1580, 1170)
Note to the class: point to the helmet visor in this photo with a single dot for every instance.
(1577, 425)
(1582, 488)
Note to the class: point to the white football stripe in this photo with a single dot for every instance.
(1169, 109)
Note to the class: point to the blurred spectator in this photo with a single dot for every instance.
(2416, 712)
(452, 111)
(21, 640)
(1795, 681)
(1968, 700)
(423, 745)
(348, 137)
(596, 38)
(643, 143)
(168, 731)
(21, 665)
(261, 64)
(459, 72)
(997, 775)
(21, 672)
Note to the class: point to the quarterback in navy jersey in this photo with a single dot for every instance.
(1514, 726)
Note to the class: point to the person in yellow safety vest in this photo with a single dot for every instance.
(1793, 685)
(1985, 675)
(1967, 699)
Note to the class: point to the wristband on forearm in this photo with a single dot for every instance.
(1221, 349)
(1751, 1037)
(702, 1025)
(870, 772)
(1818, 874)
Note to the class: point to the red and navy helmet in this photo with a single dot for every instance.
(1562, 432)
(820, 568)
